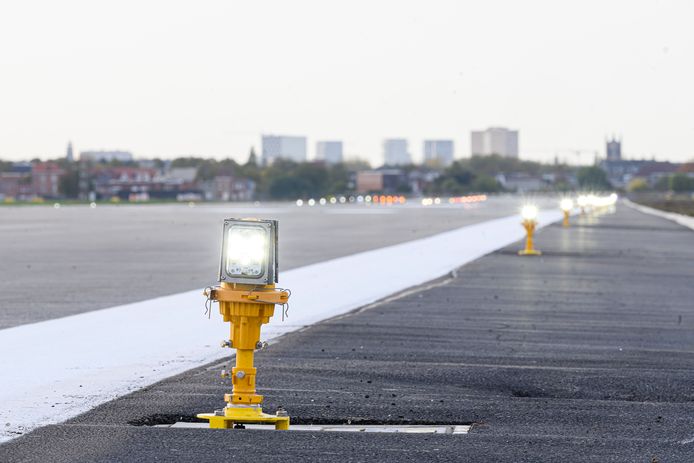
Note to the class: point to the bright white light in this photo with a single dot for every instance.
(92, 205)
(367, 198)
(566, 204)
(333, 200)
(529, 212)
(582, 201)
(360, 199)
(343, 200)
(56, 205)
(246, 249)
(437, 200)
(311, 202)
(299, 202)
(322, 202)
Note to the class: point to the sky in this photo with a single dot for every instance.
(207, 78)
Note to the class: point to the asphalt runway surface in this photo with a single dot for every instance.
(583, 354)
(58, 262)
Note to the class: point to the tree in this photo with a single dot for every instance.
(593, 178)
(637, 184)
(252, 158)
(68, 184)
(680, 183)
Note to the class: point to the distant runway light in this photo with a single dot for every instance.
(566, 205)
(343, 200)
(56, 205)
(333, 200)
(322, 202)
(299, 202)
(92, 205)
(360, 199)
(529, 213)
(437, 200)
(311, 202)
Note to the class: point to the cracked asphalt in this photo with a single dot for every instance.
(583, 354)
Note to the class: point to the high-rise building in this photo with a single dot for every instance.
(438, 152)
(283, 147)
(494, 140)
(613, 149)
(395, 152)
(329, 151)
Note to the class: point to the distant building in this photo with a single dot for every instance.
(14, 185)
(613, 149)
(621, 172)
(521, 182)
(381, 181)
(69, 155)
(329, 151)
(229, 188)
(45, 179)
(283, 147)
(106, 156)
(181, 177)
(395, 152)
(494, 140)
(438, 152)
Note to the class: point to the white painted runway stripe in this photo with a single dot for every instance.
(681, 219)
(56, 369)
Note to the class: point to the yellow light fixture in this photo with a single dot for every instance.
(529, 214)
(566, 205)
(247, 297)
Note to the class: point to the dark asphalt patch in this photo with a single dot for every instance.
(556, 359)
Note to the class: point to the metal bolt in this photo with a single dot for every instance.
(225, 343)
(261, 345)
(240, 374)
(281, 412)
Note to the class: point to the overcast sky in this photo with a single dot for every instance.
(208, 77)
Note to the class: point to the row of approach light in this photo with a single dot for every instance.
(368, 199)
(596, 201)
(529, 214)
(387, 200)
(454, 200)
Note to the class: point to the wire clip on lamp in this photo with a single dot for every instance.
(247, 297)
(529, 215)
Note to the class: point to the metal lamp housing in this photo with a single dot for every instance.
(249, 252)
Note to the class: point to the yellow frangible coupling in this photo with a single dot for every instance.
(247, 307)
(529, 250)
(565, 222)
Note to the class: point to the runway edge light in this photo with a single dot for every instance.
(566, 205)
(529, 214)
(247, 297)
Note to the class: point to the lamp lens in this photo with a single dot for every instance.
(529, 212)
(246, 250)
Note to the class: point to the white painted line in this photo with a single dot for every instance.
(681, 219)
(370, 428)
(57, 369)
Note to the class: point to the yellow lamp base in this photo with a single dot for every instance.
(244, 415)
(529, 252)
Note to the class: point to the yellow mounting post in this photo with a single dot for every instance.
(247, 307)
(565, 222)
(529, 250)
